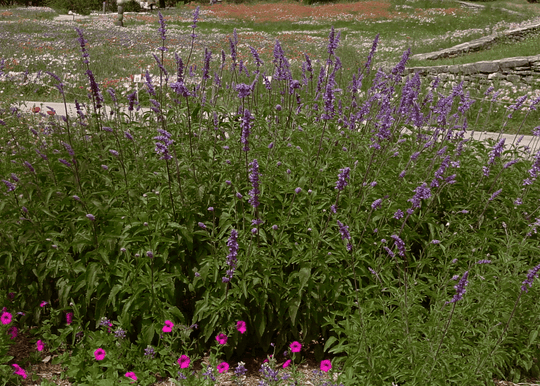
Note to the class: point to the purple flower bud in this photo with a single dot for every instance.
(274, 227)
(211, 208)
(64, 162)
(297, 190)
(91, 217)
(150, 254)
(201, 225)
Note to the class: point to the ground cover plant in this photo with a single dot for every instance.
(257, 208)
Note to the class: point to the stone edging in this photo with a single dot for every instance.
(479, 44)
(518, 69)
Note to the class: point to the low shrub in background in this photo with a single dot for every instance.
(350, 216)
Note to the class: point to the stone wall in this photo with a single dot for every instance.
(516, 34)
(523, 69)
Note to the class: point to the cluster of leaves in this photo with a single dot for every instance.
(329, 210)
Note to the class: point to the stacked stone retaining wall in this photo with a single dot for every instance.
(509, 71)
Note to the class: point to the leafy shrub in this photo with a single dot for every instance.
(353, 213)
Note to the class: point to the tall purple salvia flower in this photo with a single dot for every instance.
(343, 176)
(162, 145)
(179, 68)
(496, 151)
(333, 41)
(162, 31)
(345, 235)
(400, 67)
(243, 89)
(82, 43)
(495, 194)
(232, 257)
(460, 288)
(10, 187)
(29, 166)
(96, 93)
(367, 66)
(247, 120)
(328, 98)
(420, 193)
(256, 57)
(533, 273)
(150, 87)
(254, 179)
(195, 20)
(206, 67)
(399, 244)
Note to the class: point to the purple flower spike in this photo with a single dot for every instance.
(247, 120)
(530, 278)
(343, 176)
(399, 244)
(344, 230)
(333, 41)
(460, 288)
(254, 179)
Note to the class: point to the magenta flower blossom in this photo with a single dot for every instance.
(184, 361)
(326, 365)
(99, 354)
(131, 375)
(223, 367)
(6, 318)
(241, 326)
(69, 318)
(287, 363)
(19, 371)
(13, 331)
(168, 326)
(221, 338)
(40, 345)
(295, 346)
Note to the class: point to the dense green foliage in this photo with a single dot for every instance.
(359, 204)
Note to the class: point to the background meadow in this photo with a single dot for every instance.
(272, 197)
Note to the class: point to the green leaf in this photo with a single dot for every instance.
(304, 274)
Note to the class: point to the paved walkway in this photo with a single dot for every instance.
(528, 140)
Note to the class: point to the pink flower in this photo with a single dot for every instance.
(326, 365)
(43, 304)
(40, 345)
(241, 326)
(6, 318)
(295, 346)
(223, 367)
(19, 371)
(131, 374)
(100, 354)
(287, 363)
(221, 338)
(168, 326)
(69, 317)
(13, 331)
(184, 361)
